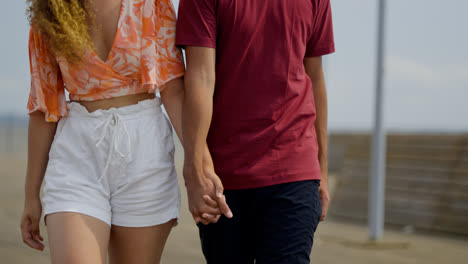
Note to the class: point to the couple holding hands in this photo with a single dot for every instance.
(249, 106)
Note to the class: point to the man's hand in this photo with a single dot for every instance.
(206, 201)
(197, 189)
(220, 200)
(324, 198)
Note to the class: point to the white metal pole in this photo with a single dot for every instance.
(377, 168)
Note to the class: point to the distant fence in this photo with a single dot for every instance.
(426, 184)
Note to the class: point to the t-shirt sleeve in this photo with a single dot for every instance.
(47, 92)
(196, 25)
(321, 41)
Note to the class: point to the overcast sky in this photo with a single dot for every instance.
(426, 82)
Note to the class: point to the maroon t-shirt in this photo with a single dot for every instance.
(262, 132)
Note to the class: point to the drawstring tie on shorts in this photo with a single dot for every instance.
(115, 122)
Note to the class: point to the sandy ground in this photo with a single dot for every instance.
(336, 241)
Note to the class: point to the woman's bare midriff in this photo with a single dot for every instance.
(116, 102)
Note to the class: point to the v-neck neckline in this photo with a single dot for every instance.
(117, 34)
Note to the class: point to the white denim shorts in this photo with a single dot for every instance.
(116, 165)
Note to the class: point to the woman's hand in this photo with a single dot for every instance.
(30, 224)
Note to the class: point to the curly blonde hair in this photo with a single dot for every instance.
(65, 25)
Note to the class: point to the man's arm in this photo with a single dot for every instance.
(313, 67)
(198, 104)
(196, 120)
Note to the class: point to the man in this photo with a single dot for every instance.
(255, 92)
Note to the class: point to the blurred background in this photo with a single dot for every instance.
(426, 122)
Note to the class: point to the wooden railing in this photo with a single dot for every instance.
(426, 180)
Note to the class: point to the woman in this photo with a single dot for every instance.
(107, 156)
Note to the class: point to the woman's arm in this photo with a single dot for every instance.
(173, 99)
(313, 67)
(40, 137)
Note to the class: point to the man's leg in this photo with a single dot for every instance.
(288, 217)
(230, 241)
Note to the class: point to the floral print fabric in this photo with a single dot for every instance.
(142, 59)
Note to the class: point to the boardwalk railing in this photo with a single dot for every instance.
(426, 184)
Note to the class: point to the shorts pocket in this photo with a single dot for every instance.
(58, 135)
(167, 138)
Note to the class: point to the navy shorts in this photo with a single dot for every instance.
(271, 225)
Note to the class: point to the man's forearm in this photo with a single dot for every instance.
(198, 107)
(173, 100)
(313, 67)
(196, 120)
(320, 94)
(321, 105)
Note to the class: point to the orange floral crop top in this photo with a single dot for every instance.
(142, 59)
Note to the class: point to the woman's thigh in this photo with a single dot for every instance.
(77, 238)
(142, 245)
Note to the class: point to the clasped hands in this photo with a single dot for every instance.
(205, 192)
